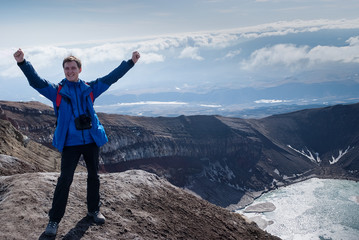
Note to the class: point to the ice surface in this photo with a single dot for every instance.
(313, 209)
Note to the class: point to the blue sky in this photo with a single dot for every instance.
(193, 46)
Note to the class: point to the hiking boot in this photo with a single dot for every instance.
(97, 217)
(51, 228)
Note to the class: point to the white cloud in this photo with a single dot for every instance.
(270, 101)
(232, 54)
(229, 55)
(191, 52)
(295, 57)
(347, 54)
(211, 105)
(143, 103)
(151, 58)
(154, 49)
(353, 41)
(280, 54)
(43, 56)
(282, 28)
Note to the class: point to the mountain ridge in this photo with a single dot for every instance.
(227, 161)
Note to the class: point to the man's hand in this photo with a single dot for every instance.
(135, 56)
(19, 56)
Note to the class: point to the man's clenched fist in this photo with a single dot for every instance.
(19, 55)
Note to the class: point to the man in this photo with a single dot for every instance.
(78, 131)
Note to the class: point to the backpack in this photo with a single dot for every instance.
(59, 97)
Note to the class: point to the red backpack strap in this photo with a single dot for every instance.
(58, 97)
(92, 97)
(91, 94)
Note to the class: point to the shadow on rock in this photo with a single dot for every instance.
(75, 233)
(79, 230)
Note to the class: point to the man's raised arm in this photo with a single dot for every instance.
(41, 85)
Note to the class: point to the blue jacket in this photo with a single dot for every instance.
(68, 108)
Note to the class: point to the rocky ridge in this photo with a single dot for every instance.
(227, 161)
(137, 205)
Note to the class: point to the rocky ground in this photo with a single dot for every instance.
(137, 205)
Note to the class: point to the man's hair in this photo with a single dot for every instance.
(70, 59)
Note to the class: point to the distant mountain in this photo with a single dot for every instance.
(224, 160)
(326, 136)
(244, 103)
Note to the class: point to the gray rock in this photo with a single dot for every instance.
(260, 208)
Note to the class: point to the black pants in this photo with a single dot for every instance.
(69, 160)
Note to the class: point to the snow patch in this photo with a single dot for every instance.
(315, 157)
(307, 153)
(340, 155)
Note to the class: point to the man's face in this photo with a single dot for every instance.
(72, 71)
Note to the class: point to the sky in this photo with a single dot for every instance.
(29, 23)
(185, 46)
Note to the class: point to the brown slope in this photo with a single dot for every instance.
(28, 156)
(137, 204)
(34, 119)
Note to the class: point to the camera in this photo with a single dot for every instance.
(83, 122)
